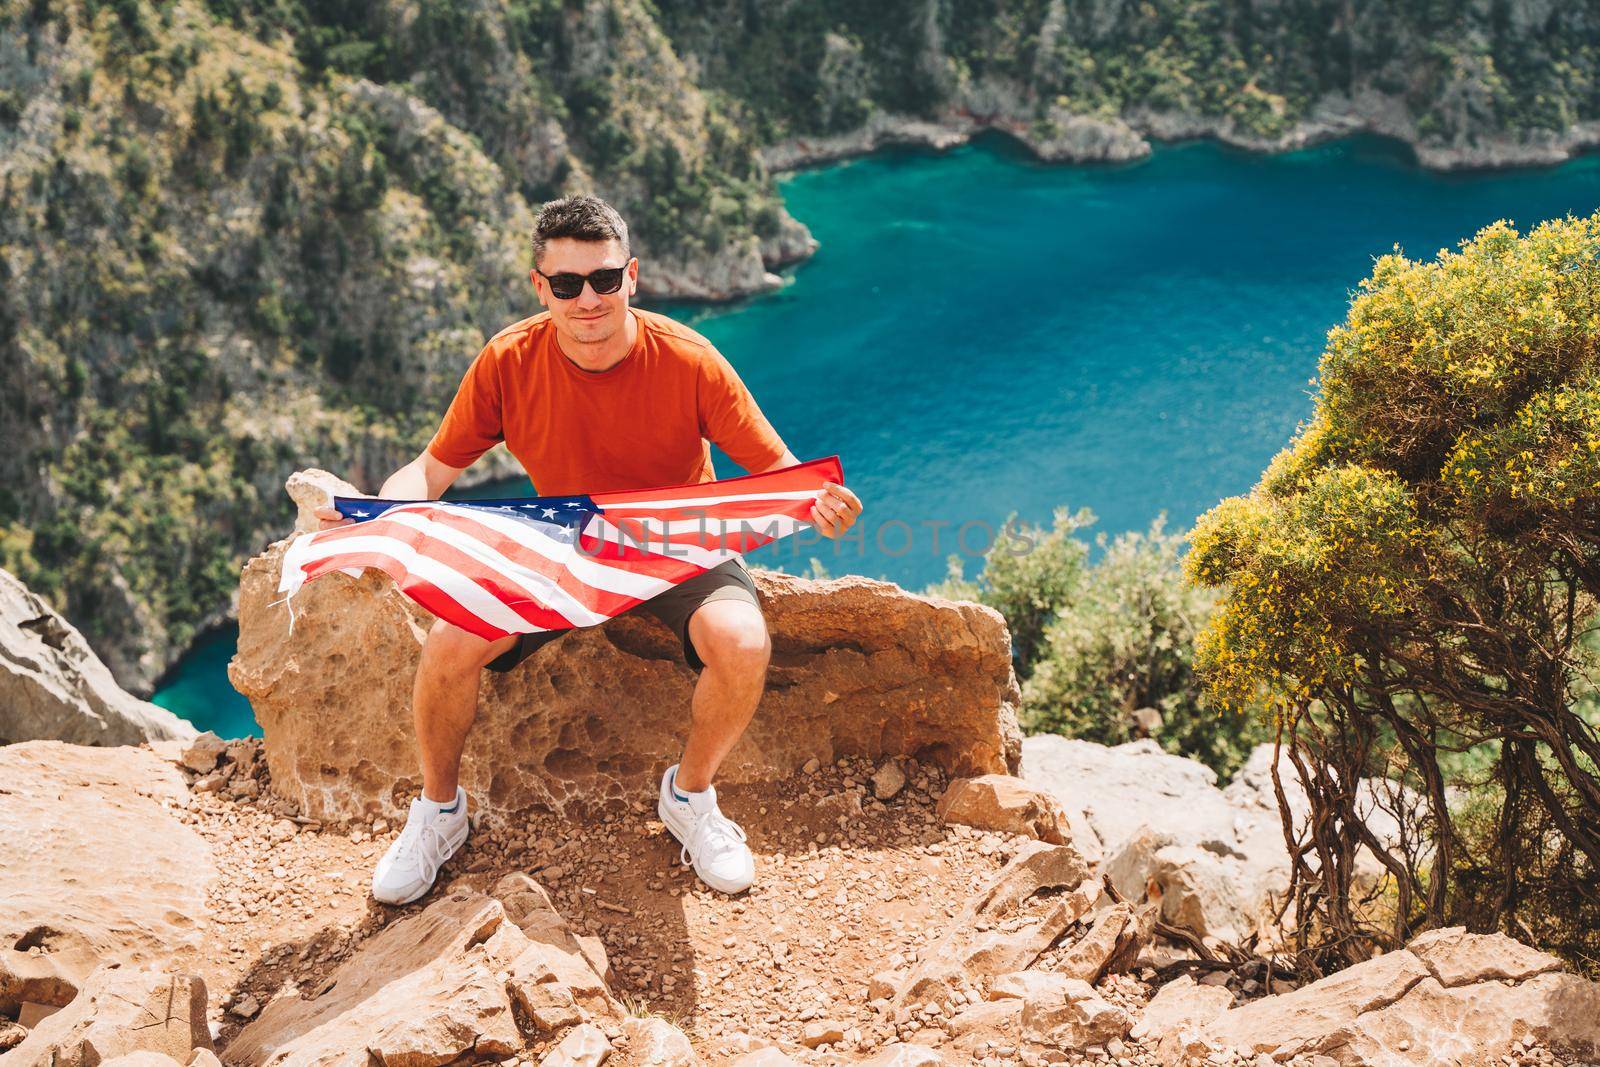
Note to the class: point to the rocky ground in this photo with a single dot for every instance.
(849, 886)
(880, 930)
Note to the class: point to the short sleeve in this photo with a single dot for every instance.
(730, 418)
(472, 423)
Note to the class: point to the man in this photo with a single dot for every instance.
(590, 396)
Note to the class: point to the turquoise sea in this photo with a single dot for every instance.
(982, 334)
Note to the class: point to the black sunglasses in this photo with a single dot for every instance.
(567, 286)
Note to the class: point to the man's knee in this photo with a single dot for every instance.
(731, 635)
(451, 649)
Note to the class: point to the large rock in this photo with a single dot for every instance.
(121, 1011)
(53, 686)
(1451, 998)
(560, 978)
(653, 1042)
(94, 869)
(1179, 1004)
(859, 667)
(1126, 787)
(435, 986)
(1006, 803)
(1071, 1015)
(1215, 858)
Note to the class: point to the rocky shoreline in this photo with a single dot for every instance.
(1069, 138)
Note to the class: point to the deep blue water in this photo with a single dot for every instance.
(981, 333)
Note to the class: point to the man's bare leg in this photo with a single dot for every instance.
(444, 702)
(731, 637)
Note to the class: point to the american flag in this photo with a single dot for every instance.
(499, 567)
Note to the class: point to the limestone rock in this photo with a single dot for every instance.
(764, 1057)
(1394, 1009)
(991, 1024)
(202, 753)
(53, 686)
(1457, 958)
(1475, 1023)
(555, 979)
(1112, 944)
(1199, 891)
(121, 1010)
(1126, 787)
(583, 1046)
(591, 717)
(1300, 1020)
(1028, 985)
(51, 979)
(425, 990)
(888, 781)
(654, 1042)
(1216, 858)
(95, 869)
(11, 1034)
(1001, 802)
(1180, 1003)
(1072, 1016)
(822, 1032)
(903, 1055)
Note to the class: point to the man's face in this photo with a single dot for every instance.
(589, 317)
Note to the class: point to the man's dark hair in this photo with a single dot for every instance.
(583, 218)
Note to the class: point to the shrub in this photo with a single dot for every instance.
(1413, 581)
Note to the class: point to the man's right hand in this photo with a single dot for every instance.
(328, 518)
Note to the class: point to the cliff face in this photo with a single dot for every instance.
(1467, 84)
(237, 238)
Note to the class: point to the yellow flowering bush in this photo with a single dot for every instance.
(1413, 584)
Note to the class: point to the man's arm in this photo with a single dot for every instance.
(835, 510)
(424, 478)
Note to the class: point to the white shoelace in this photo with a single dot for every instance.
(714, 834)
(421, 839)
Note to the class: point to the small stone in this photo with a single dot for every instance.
(812, 765)
(888, 781)
(245, 1007)
(203, 752)
(823, 1032)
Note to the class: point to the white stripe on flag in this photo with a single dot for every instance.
(601, 527)
(538, 587)
(463, 590)
(704, 501)
(769, 526)
(585, 568)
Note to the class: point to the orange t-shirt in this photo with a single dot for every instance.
(640, 424)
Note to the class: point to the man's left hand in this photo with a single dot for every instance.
(835, 510)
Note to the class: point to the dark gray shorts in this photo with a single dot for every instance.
(725, 581)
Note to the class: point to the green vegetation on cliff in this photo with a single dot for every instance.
(238, 240)
(1097, 642)
(1459, 71)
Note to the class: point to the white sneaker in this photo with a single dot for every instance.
(711, 841)
(408, 869)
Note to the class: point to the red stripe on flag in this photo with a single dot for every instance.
(503, 588)
(424, 592)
